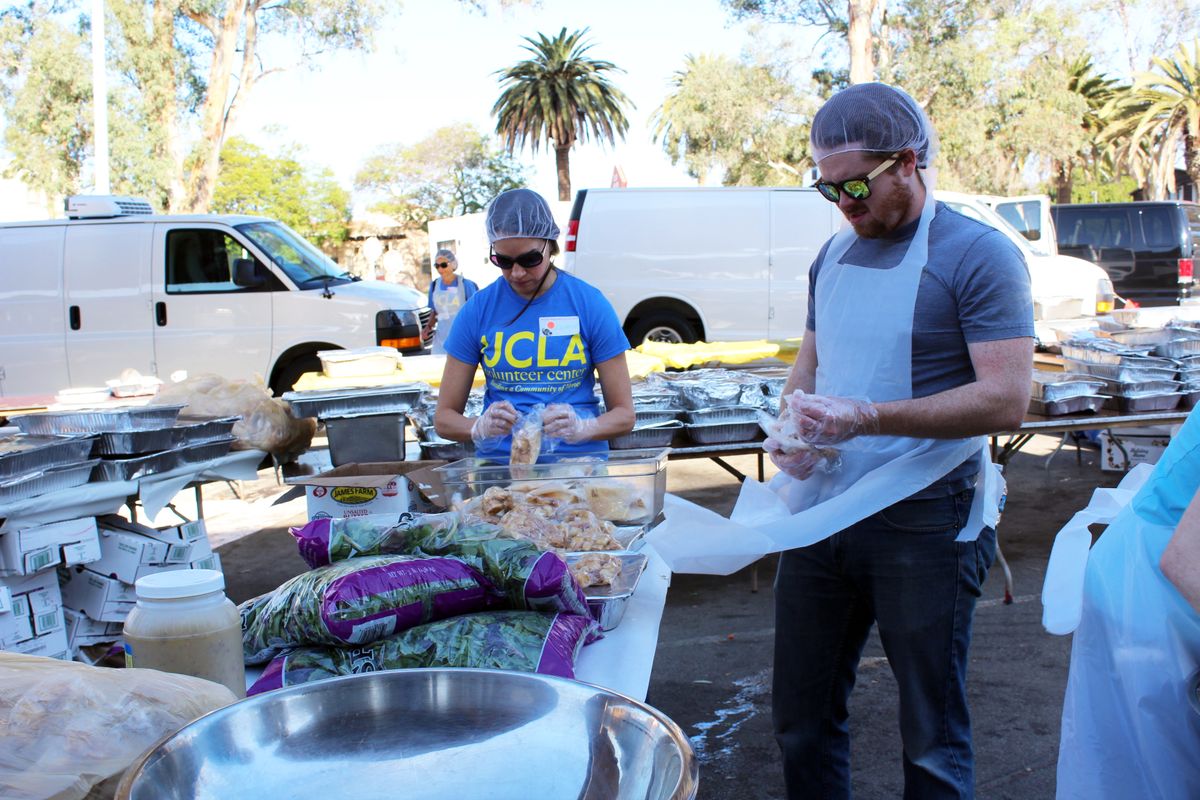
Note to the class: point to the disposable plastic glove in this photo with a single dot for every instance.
(561, 422)
(797, 463)
(822, 420)
(495, 421)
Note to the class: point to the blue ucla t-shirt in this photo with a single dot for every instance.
(547, 355)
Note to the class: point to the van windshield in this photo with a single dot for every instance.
(307, 266)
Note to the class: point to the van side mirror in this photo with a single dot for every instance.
(248, 273)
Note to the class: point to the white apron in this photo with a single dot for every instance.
(447, 300)
(864, 350)
(1129, 728)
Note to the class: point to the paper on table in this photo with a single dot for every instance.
(155, 491)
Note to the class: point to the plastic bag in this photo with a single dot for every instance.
(66, 727)
(522, 641)
(529, 577)
(526, 441)
(358, 601)
(266, 422)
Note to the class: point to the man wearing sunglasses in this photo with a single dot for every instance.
(448, 292)
(918, 343)
(542, 337)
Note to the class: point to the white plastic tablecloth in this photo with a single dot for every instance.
(106, 497)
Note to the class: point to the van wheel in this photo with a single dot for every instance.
(662, 327)
(290, 372)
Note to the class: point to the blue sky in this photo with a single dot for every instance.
(434, 66)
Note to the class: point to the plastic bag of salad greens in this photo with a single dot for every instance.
(531, 578)
(360, 600)
(524, 641)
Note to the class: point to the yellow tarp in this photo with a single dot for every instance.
(428, 369)
(683, 356)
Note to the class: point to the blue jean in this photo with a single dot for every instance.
(902, 569)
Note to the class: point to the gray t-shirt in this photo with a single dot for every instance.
(975, 288)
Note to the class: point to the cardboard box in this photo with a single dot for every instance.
(185, 541)
(124, 553)
(82, 630)
(356, 490)
(100, 597)
(210, 561)
(35, 612)
(1124, 448)
(52, 645)
(30, 550)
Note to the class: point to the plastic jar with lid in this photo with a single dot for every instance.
(184, 623)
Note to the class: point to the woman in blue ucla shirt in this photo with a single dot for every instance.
(541, 336)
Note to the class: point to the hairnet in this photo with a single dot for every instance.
(446, 254)
(873, 117)
(520, 214)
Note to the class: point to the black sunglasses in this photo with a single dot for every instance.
(529, 260)
(858, 188)
(441, 266)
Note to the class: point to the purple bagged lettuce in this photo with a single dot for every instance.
(361, 600)
(522, 641)
(531, 578)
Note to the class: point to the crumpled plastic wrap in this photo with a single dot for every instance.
(66, 727)
(781, 431)
(266, 422)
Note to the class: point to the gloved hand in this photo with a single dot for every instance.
(798, 463)
(495, 421)
(561, 422)
(822, 420)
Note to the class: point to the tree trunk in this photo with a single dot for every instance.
(1062, 180)
(562, 154)
(162, 105)
(1191, 161)
(206, 162)
(862, 64)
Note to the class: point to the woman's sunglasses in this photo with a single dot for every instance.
(442, 266)
(528, 260)
(857, 188)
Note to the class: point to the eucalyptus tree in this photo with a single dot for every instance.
(560, 96)
(741, 119)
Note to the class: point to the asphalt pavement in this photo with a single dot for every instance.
(712, 670)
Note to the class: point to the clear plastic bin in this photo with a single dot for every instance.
(626, 486)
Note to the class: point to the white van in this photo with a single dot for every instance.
(114, 286)
(731, 263)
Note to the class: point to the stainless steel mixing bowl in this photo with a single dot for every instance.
(423, 734)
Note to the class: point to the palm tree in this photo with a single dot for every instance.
(1097, 90)
(1160, 113)
(559, 96)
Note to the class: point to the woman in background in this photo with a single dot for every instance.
(448, 293)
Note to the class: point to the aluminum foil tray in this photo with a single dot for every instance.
(50, 480)
(349, 402)
(648, 416)
(23, 455)
(206, 451)
(658, 434)
(197, 430)
(1153, 402)
(1178, 348)
(1140, 388)
(1096, 351)
(117, 420)
(445, 450)
(607, 603)
(1118, 372)
(1055, 385)
(1067, 405)
(1190, 398)
(773, 387)
(658, 399)
(131, 443)
(711, 416)
(695, 394)
(128, 469)
(725, 432)
(1142, 337)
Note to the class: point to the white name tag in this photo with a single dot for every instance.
(558, 326)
